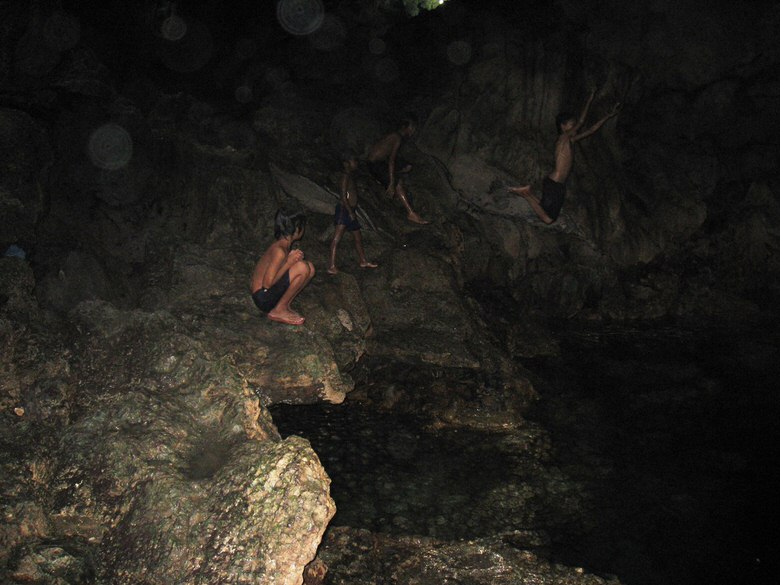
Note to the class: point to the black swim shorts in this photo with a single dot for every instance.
(342, 217)
(553, 194)
(266, 298)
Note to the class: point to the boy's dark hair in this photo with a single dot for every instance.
(562, 118)
(286, 224)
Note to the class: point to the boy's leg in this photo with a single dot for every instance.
(525, 192)
(333, 245)
(412, 215)
(361, 253)
(300, 275)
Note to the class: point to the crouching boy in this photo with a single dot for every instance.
(281, 273)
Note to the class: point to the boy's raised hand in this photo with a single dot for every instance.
(295, 256)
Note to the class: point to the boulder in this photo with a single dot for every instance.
(171, 454)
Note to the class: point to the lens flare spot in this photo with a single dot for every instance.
(110, 147)
(173, 28)
(459, 52)
(377, 46)
(300, 17)
(244, 94)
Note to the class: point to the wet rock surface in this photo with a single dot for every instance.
(363, 557)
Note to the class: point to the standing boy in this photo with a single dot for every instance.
(281, 273)
(386, 166)
(345, 219)
(554, 186)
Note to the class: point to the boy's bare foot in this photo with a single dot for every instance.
(368, 264)
(333, 270)
(415, 218)
(287, 317)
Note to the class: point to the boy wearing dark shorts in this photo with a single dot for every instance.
(345, 219)
(281, 273)
(386, 166)
(554, 186)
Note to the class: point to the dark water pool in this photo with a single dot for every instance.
(688, 423)
(663, 466)
(389, 474)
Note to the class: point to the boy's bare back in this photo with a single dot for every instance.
(261, 276)
(385, 147)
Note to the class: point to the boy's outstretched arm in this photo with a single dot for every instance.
(595, 128)
(585, 110)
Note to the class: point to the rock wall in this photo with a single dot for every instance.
(653, 189)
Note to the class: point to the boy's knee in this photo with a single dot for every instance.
(299, 267)
(311, 268)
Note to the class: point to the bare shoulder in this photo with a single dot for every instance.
(383, 147)
(273, 252)
(276, 250)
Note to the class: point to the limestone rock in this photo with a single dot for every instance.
(359, 556)
(417, 314)
(175, 455)
(309, 194)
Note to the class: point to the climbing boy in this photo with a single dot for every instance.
(281, 273)
(345, 219)
(554, 186)
(387, 167)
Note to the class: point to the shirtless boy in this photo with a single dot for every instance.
(386, 166)
(281, 273)
(345, 219)
(554, 186)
